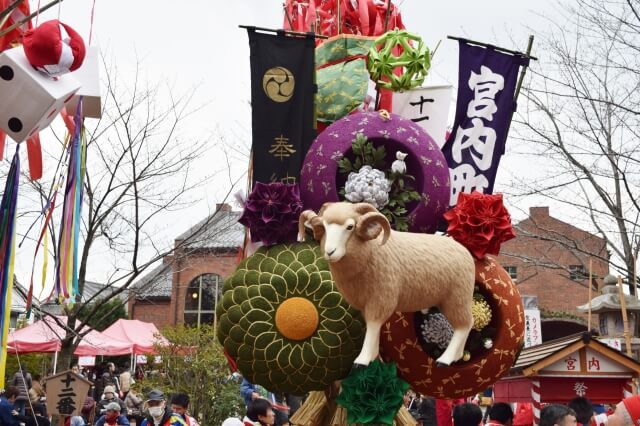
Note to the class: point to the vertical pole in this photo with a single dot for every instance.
(338, 13)
(386, 16)
(519, 84)
(535, 397)
(215, 305)
(635, 277)
(625, 320)
(199, 299)
(55, 362)
(286, 14)
(590, 296)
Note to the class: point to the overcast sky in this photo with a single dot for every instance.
(197, 44)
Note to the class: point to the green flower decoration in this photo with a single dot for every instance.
(373, 395)
(283, 321)
(414, 61)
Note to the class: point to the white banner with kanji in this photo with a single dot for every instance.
(427, 107)
(532, 328)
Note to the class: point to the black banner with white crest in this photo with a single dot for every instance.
(282, 96)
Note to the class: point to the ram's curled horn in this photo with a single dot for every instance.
(305, 217)
(374, 217)
(363, 208)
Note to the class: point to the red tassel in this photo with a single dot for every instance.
(232, 362)
(34, 154)
(3, 141)
(29, 298)
(68, 121)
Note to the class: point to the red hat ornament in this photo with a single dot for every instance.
(54, 48)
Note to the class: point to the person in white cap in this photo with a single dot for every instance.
(109, 396)
(232, 421)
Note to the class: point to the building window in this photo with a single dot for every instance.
(577, 272)
(201, 298)
(512, 271)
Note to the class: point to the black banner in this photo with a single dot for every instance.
(282, 95)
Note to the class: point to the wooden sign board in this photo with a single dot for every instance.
(587, 361)
(66, 393)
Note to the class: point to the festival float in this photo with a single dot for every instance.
(363, 210)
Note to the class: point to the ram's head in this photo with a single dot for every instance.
(339, 226)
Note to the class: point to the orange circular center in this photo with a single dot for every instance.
(297, 318)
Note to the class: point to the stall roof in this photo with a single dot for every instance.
(41, 336)
(142, 335)
(46, 334)
(96, 343)
(536, 358)
(533, 354)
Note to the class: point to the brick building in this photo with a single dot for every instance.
(186, 286)
(549, 259)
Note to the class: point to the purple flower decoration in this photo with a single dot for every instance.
(271, 213)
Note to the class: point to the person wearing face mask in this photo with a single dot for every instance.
(160, 414)
(112, 416)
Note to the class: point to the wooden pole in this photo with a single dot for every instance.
(289, 20)
(386, 16)
(590, 296)
(625, 320)
(498, 48)
(635, 275)
(523, 71)
(271, 30)
(28, 18)
(4, 15)
(338, 12)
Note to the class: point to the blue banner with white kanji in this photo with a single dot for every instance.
(486, 85)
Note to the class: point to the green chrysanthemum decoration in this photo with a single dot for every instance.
(372, 395)
(414, 61)
(283, 321)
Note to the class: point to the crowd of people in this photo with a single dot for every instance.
(579, 411)
(113, 400)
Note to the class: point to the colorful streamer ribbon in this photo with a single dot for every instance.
(66, 283)
(8, 208)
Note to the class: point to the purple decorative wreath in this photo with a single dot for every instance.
(320, 181)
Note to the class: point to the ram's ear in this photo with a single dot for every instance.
(371, 224)
(318, 228)
(309, 219)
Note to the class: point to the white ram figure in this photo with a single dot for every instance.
(381, 271)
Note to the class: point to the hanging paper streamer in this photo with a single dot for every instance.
(7, 253)
(66, 283)
(47, 213)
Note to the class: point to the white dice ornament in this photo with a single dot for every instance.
(29, 100)
(89, 77)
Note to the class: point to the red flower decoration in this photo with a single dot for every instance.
(480, 222)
